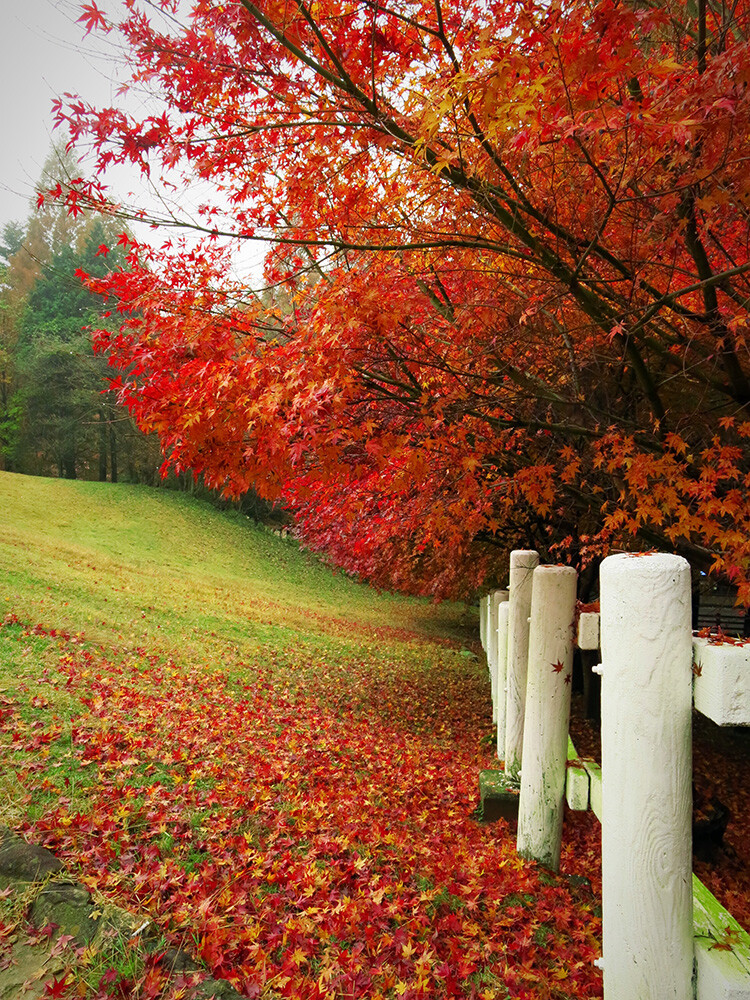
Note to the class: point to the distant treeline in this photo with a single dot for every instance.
(56, 416)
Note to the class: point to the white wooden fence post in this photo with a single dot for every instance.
(646, 777)
(491, 648)
(545, 732)
(523, 562)
(502, 675)
(483, 601)
(496, 598)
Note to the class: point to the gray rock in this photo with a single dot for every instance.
(216, 989)
(70, 907)
(177, 960)
(25, 862)
(28, 969)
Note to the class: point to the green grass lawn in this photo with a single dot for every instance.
(276, 765)
(161, 566)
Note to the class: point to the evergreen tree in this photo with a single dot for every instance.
(11, 242)
(56, 417)
(65, 420)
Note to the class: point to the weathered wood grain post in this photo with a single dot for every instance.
(491, 648)
(502, 675)
(496, 598)
(646, 777)
(545, 732)
(523, 562)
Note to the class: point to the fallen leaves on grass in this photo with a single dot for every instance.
(312, 839)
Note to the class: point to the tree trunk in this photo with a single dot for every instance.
(102, 447)
(69, 464)
(113, 452)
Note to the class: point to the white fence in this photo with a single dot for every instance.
(664, 936)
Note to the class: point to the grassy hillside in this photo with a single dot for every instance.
(157, 566)
(265, 763)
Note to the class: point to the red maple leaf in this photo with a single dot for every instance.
(58, 987)
(92, 17)
(558, 667)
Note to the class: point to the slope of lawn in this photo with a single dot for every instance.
(275, 766)
(159, 565)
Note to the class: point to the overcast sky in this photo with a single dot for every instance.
(42, 54)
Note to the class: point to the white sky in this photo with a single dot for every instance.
(43, 54)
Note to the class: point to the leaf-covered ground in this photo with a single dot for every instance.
(305, 827)
(277, 767)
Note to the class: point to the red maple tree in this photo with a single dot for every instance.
(509, 249)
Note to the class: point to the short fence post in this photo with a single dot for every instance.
(545, 733)
(496, 598)
(523, 562)
(491, 647)
(502, 675)
(646, 777)
(483, 602)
